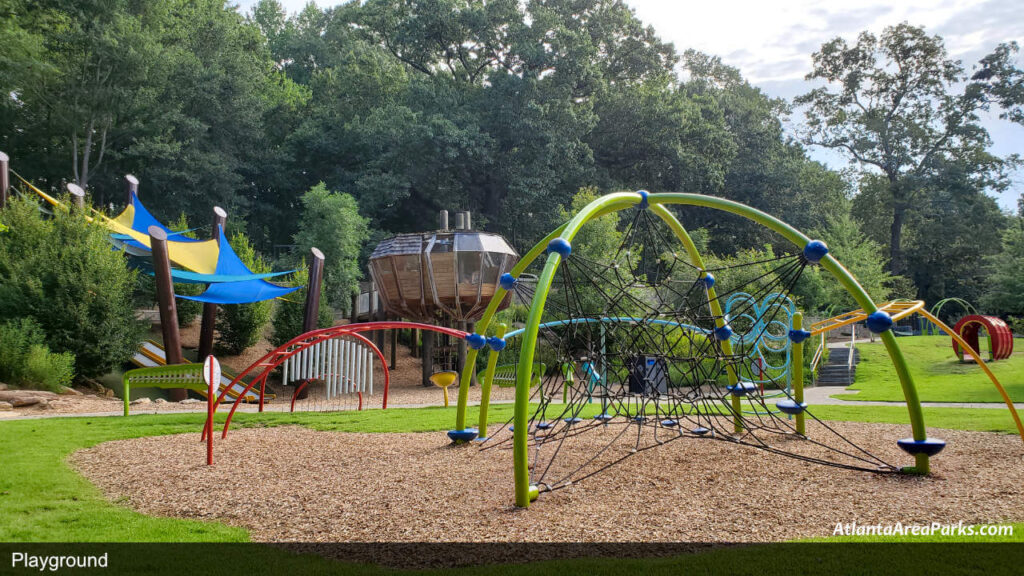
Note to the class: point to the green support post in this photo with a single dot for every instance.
(485, 386)
(797, 367)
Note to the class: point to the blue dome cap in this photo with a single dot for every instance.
(462, 436)
(708, 279)
(476, 341)
(560, 246)
(507, 281)
(879, 322)
(643, 198)
(815, 251)
(496, 344)
(928, 446)
(798, 336)
(723, 333)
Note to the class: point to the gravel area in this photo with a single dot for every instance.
(292, 484)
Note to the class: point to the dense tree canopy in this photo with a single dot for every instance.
(903, 109)
(502, 107)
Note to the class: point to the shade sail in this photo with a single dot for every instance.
(245, 292)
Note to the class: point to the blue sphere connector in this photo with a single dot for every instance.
(798, 336)
(560, 246)
(879, 322)
(507, 281)
(476, 341)
(708, 279)
(496, 344)
(723, 333)
(815, 251)
(643, 199)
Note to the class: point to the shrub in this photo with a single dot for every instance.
(331, 222)
(26, 362)
(240, 326)
(61, 272)
(288, 314)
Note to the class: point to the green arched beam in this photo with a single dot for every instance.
(619, 201)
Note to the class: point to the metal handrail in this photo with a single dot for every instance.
(818, 353)
(853, 347)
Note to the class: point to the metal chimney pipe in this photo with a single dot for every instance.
(460, 220)
(443, 219)
(469, 220)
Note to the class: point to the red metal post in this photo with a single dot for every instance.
(210, 401)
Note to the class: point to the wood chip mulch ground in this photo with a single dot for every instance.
(292, 484)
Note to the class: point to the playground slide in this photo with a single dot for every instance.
(152, 354)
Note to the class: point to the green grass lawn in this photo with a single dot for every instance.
(937, 373)
(43, 500)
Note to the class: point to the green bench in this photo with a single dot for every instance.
(505, 375)
(188, 376)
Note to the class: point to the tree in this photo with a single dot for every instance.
(289, 314)
(767, 170)
(61, 273)
(331, 222)
(1005, 293)
(900, 108)
(863, 257)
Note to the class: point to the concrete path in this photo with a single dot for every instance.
(822, 395)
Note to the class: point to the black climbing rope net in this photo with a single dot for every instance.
(630, 356)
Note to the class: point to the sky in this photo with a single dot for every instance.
(771, 42)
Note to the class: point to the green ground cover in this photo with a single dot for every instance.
(938, 374)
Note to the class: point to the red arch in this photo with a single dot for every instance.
(1000, 337)
(277, 356)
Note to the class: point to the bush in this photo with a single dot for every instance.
(331, 222)
(61, 272)
(240, 326)
(26, 362)
(288, 314)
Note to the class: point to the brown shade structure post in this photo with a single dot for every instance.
(131, 184)
(5, 178)
(167, 306)
(312, 310)
(209, 309)
(316, 274)
(77, 194)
